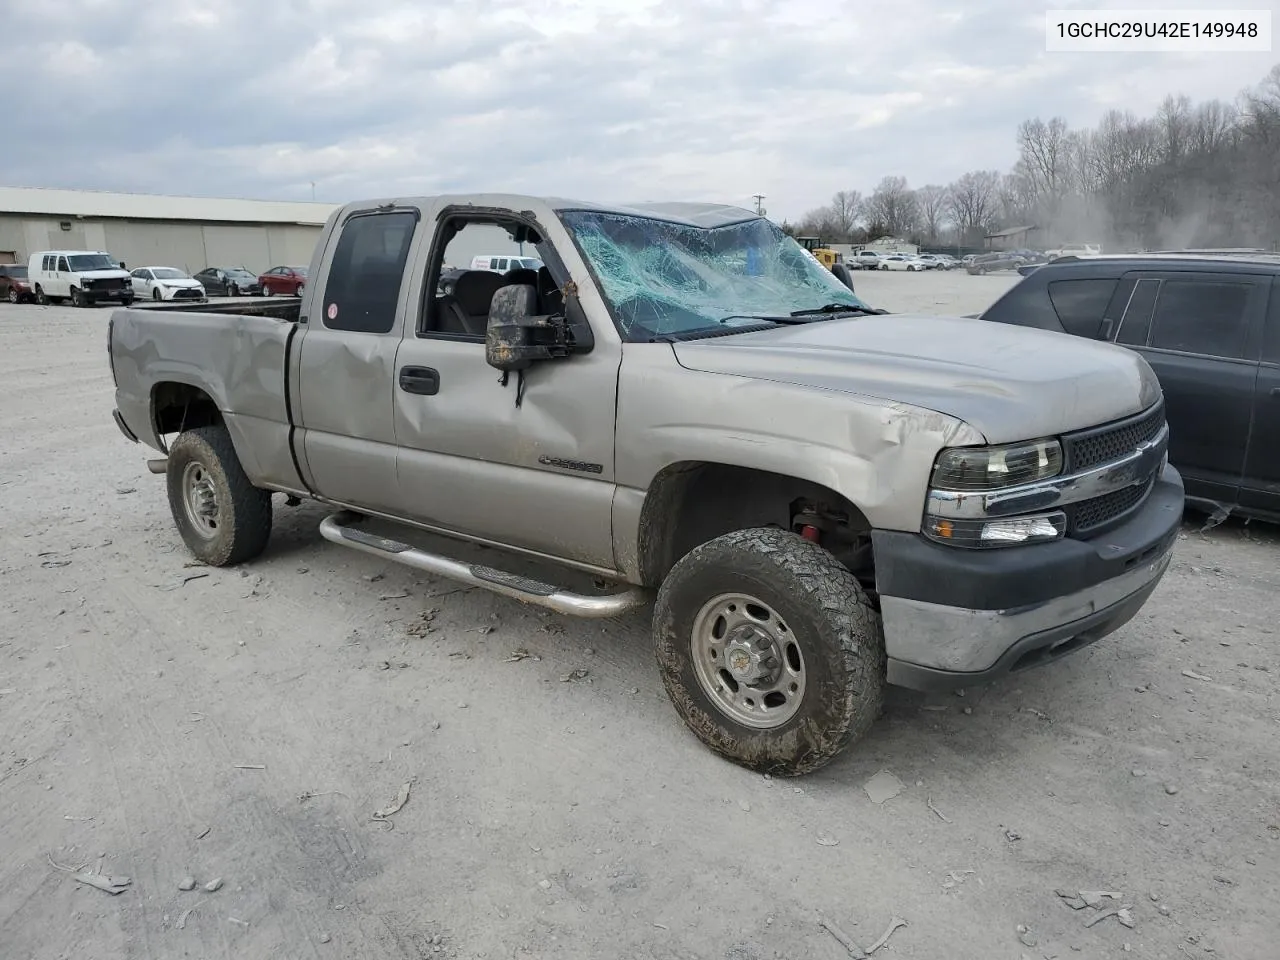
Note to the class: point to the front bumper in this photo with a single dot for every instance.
(119, 294)
(955, 617)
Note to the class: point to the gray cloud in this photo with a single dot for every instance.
(642, 99)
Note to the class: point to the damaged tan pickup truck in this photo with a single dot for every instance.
(823, 499)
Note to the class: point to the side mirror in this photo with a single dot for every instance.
(514, 337)
(843, 274)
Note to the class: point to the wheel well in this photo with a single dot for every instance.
(179, 406)
(690, 503)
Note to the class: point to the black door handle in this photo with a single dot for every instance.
(423, 380)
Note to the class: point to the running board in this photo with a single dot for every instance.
(334, 528)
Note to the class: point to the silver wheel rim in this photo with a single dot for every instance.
(301, 287)
(200, 498)
(747, 661)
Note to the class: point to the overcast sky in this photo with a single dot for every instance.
(595, 99)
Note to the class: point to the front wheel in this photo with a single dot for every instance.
(301, 288)
(222, 517)
(77, 298)
(13, 295)
(155, 295)
(770, 650)
(266, 290)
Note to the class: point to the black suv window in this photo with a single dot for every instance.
(363, 287)
(1080, 304)
(1204, 317)
(1271, 341)
(1137, 318)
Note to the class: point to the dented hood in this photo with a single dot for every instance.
(1010, 383)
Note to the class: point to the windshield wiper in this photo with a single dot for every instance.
(834, 308)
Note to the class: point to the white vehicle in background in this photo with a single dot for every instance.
(902, 261)
(931, 261)
(1075, 250)
(501, 263)
(865, 260)
(167, 283)
(85, 277)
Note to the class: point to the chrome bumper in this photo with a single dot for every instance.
(933, 646)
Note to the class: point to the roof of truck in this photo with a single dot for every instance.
(690, 214)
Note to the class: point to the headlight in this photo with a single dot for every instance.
(965, 469)
(1013, 531)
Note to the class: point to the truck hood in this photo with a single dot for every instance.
(1010, 383)
(107, 274)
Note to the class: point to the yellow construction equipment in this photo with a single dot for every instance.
(825, 255)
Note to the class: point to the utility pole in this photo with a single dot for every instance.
(313, 190)
(759, 198)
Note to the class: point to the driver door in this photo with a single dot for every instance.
(538, 476)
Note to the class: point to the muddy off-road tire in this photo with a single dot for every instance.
(222, 517)
(770, 650)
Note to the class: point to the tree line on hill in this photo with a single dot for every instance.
(1193, 175)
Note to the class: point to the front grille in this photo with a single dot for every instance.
(1090, 516)
(186, 294)
(1089, 448)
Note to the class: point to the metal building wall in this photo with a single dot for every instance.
(188, 245)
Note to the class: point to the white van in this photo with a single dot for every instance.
(85, 277)
(501, 263)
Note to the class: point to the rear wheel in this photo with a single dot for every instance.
(222, 517)
(770, 650)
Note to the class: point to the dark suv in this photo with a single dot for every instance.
(1209, 325)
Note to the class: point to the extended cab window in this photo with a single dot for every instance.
(1080, 304)
(1204, 317)
(367, 271)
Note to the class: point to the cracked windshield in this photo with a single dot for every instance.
(666, 279)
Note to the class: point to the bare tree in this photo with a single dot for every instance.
(972, 202)
(1043, 155)
(932, 202)
(892, 208)
(846, 207)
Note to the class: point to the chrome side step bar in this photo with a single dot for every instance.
(336, 529)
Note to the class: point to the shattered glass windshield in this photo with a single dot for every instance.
(670, 279)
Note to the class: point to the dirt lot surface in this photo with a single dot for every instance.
(160, 721)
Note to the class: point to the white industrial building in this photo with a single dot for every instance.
(143, 230)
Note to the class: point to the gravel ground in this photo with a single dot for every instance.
(160, 721)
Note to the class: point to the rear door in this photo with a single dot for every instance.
(346, 362)
(1260, 489)
(1200, 333)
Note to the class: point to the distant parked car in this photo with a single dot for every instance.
(290, 281)
(902, 261)
(865, 260)
(14, 285)
(932, 261)
(229, 282)
(166, 283)
(990, 262)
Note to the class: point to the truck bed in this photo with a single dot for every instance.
(234, 357)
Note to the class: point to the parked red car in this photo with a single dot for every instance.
(289, 281)
(13, 283)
